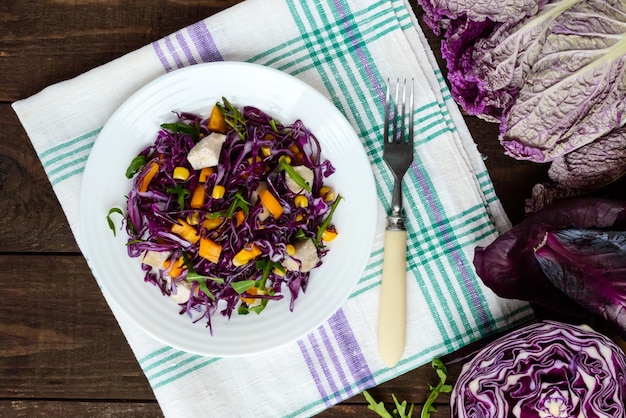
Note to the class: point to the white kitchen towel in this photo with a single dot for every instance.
(345, 49)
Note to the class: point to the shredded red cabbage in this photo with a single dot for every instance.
(258, 152)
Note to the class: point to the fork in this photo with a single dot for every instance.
(398, 154)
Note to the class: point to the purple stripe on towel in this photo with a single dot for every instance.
(173, 52)
(348, 23)
(349, 346)
(167, 50)
(186, 50)
(316, 377)
(328, 374)
(335, 359)
(161, 56)
(342, 337)
(204, 43)
(431, 200)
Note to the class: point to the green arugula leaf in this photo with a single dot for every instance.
(327, 220)
(192, 130)
(284, 165)
(193, 276)
(379, 407)
(181, 194)
(135, 165)
(274, 124)
(110, 221)
(441, 387)
(233, 117)
(300, 234)
(242, 286)
(238, 203)
(201, 284)
(267, 266)
(258, 308)
(401, 407)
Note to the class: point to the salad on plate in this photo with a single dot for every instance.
(230, 212)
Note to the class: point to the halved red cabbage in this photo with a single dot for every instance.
(545, 370)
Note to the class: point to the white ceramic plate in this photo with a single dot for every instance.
(195, 89)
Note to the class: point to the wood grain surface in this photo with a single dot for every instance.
(62, 353)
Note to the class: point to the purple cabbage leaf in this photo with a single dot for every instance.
(594, 165)
(511, 267)
(553, 74)
(439, 13)
(574, 92)
(590, 267)
(488, 64)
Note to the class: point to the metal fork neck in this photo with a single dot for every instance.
(395, 221)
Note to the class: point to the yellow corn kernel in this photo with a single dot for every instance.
(278, 272)
(245, 255)
(327, 193)
(299, 217)
(266, 151)
(291, 250)
(256, 159)
(212, 222)
(329, 234)
(218, 191)
(181, 173)
(193, 218)
(301, 201)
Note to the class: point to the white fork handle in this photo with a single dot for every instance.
(392, 314)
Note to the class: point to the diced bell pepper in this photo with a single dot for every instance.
(209, 249)
(246, 254)
(271, 203)
(185, 231)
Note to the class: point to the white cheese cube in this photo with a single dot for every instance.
(155, 258)
(305, 172)
(183, 292)
(206, 153)
(304, 258)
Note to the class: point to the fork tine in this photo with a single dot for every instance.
(395, 114)
(411, 112)
(401, 137)
(396, 107)
(387, 100)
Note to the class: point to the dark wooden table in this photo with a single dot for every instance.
(62, 353)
